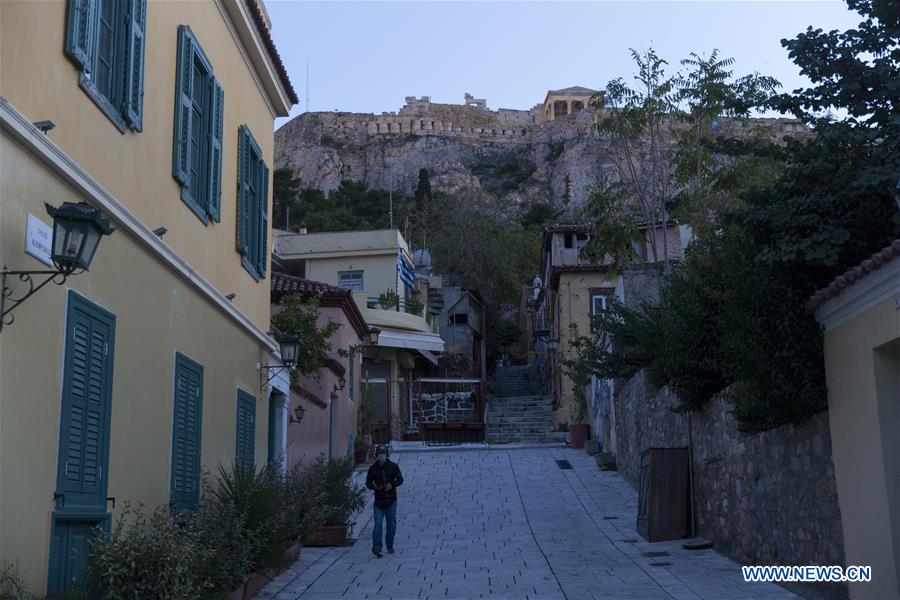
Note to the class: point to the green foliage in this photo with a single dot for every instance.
(615, 238)
(538, 215)
(415, 306)
(302, 318)
(342, 497)
(148, 557)
(423, 190)
(244, 523)
(11, 585)
(351, 207)
(507, 333)
(388, 299)
(285, 195)
(455, 364)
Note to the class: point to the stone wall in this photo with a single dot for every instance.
(765, 498)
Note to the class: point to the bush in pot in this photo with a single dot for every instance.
(342, 499)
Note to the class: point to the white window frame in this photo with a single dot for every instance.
(351, 285)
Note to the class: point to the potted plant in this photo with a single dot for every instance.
(388, 300)
(415, 306)
(342, 499)
(579, 430)
(360, 448)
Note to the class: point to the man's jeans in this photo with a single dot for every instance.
(391, 514)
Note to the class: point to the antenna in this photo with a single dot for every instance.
(307, 86)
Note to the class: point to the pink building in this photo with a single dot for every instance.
(331, 401)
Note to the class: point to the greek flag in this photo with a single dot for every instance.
(406, 272)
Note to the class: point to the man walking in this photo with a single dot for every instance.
(384, 477)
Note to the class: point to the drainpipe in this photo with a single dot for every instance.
(332, 398)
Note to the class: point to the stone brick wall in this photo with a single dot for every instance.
(766, 498)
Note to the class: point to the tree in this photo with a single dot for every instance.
(423, 190)
(285, 195)
(538, 215)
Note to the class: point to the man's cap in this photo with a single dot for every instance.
(382, 449)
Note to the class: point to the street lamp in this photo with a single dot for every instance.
(77, 230)
(289, 347)
(373, 335)
(298, 414)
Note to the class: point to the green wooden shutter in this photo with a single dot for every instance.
(184, 113)
(70, 551)
(134, 72)
(263, 204)
(186, 433)
(80, 31)
(86, 405)
(246, 430)
(245, 214)
(217, 103)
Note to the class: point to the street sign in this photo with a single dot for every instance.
(38, 239)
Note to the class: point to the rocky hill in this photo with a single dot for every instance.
(516, 154)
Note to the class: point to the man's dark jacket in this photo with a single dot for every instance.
(389, 472)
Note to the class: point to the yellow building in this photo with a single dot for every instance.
(374, 264)
(127, 381)
(571, 292)
(860, 315)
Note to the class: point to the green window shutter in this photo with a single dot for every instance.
(134, 71)
(80, 31)
(181, 154)
(217, 101)
(245, 214)
(263, 204)
(186, 434)
(246, 430)
(86, 405)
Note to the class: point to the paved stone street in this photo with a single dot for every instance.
(509, 523)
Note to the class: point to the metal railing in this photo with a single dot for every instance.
(412, 308)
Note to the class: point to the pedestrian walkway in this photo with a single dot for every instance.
(510, 523)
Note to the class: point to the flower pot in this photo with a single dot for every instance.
(360, 456)
(578, 434)
(330, 535)
(255, 582)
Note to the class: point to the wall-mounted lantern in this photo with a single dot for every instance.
(77, 230)
(289, 347)
(373, 335)
(298, 414)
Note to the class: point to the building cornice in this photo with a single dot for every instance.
(20, 129)
(279, 96)
(870, 290)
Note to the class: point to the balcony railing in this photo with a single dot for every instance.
(401, 306)
(540, 322)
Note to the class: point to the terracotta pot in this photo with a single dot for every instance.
(579, 433)
(360, 456)
(255, 582)
(330, 535)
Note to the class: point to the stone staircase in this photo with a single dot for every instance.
(518, 410)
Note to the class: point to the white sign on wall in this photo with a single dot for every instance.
(38, 239)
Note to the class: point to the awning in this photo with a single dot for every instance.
(431, 357)
(393, 338)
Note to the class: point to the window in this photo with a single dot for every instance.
(105, 39)
(245, 445)
(459, 319)
(197, 143)
(598, 303)
(351, 280)
(568, 240)
(186, 428)
(253, 205)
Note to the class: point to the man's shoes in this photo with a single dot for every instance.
(390, 549)
(377, 551)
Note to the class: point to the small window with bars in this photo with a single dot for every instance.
(351, 280)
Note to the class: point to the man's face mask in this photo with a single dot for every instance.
(381, 458)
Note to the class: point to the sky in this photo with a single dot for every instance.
(368, 56)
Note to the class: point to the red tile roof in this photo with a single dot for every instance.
(329, 295)
(882, 257)
(260, 22)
